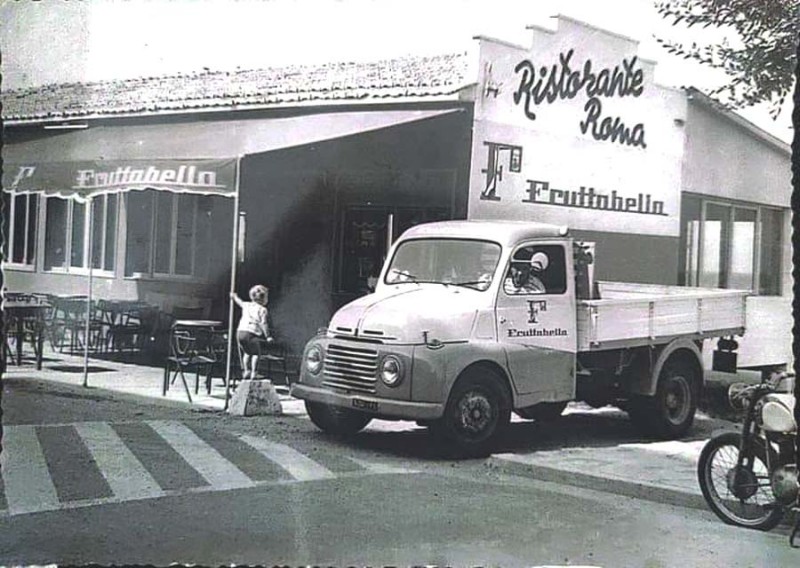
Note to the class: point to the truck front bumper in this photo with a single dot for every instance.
(379, 407)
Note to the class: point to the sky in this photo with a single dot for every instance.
(54, 41)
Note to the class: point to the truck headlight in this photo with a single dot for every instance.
(314, 360)
(391, 371)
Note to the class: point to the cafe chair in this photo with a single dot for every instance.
(23, 323)
(272, 354)
(67, 325)
(129, 325)
(190, 351)
(218, 351)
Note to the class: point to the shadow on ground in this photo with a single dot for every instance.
(578, 428)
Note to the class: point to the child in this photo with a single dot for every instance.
(253, 328)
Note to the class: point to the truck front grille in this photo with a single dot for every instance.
(351, 368)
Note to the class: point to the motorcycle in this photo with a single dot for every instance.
(749, 478)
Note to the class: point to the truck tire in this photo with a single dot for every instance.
(477, 412)
(334, 420)
(542, 412)
(670, 412)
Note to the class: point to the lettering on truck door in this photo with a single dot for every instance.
(535, 313)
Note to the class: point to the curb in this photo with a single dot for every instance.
(627, 488)
(134, 398)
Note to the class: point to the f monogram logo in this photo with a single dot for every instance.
(534, 307)
(22, 173)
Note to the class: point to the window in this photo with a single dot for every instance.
(167, 233)
(460, 262)
(536, 269)
(19, 228)
(68, 229)
(730, 245)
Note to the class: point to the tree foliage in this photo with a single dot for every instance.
(760, 57)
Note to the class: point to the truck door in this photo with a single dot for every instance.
(535, 313)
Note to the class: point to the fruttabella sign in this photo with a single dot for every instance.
(573, 131)
(86, 178)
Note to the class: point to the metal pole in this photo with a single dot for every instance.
(234, 261)
(88, 296)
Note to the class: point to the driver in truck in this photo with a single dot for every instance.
(524, 276)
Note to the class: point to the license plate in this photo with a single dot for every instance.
(365, 404)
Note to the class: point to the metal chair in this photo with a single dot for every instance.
(271, 353)
(190, 351)
(67, 325)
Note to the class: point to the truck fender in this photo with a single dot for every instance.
(647, 382)
(464, 356)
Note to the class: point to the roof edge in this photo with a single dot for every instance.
(697, 96)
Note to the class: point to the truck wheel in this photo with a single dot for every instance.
(339, 421)
(670, 413)
(477, 411)
(542, 412)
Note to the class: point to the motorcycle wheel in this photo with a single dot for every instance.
(738, 496)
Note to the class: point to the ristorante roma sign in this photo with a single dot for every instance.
(562, 81)
(574, 131)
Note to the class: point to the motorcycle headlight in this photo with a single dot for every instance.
(314, 360)
(391, 371)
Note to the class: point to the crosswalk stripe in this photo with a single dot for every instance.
(207, 461)
(381, 468)
(299, 466)
(124, 473)
(26, 479)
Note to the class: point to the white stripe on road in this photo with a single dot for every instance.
(124, 473)
(26, 479)
(219, 472)
(299, 466)
(381, 468)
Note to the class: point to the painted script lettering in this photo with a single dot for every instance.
(561, 81)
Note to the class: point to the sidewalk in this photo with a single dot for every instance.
(661, 471)
(141, 383)
(589, 448)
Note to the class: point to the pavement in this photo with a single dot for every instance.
(589, 448)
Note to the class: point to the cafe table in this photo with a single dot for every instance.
(197, 323)
(21, 312)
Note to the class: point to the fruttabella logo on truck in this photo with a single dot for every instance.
(533, 332)
(535, 307)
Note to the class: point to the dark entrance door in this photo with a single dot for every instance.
(367, 233)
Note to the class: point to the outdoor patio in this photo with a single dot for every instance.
(138, 373)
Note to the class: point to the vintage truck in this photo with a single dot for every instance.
(456, 337)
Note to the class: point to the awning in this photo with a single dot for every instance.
(196, 157)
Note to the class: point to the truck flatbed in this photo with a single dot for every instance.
(631, 315)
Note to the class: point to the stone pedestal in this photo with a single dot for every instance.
(255, 398)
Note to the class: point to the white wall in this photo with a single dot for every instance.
(568, 170)
(724, 159)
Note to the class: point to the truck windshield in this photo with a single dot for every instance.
(457, 262)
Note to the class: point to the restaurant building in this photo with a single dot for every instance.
(306, 174)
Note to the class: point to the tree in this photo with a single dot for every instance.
(760, 55)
